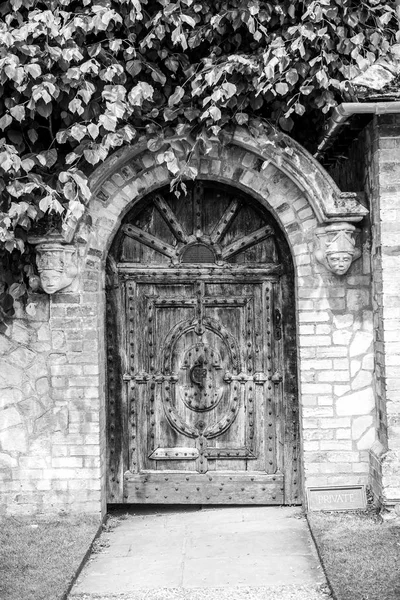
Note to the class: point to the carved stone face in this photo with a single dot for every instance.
(56, 264)
(52, 281)
(339, 262)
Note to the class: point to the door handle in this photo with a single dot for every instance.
(277, 324)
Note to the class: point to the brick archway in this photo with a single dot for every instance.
(294, 187)
(301, 196)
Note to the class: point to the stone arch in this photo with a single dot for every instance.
(301, 196)
(248, 162)
(291, 184)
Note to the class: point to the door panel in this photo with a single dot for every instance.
(201, 392)
(201, 348)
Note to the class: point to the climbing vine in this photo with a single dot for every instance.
(79, 78)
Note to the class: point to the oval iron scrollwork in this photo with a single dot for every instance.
(201, 401)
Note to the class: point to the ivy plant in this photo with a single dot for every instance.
(79, 78)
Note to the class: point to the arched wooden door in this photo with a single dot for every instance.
(202, 394)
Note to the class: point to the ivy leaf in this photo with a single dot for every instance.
(49, 157)
(108, 121)
(27, 164)
(93, 130)
(5, 121)
(81, 181)
(44, 109)
(34, 70)
(229, 88)
(78, 132)
(178, 37)
(95, 154)
(158, 76)
(16, 290)
(358, 39)
(299, 109)
(114, 93)
(141, 92)
(172, 64)
(241, 118)
(155, 144)
(176, 96)
(134, 67)
(115, 45)
(385, 18)
(76, 106)
(75, 209)
(116, 109)
(282, 88)
(286, 123)
(69, 190)
(33, 135)
(215, 113)
(18, 112)
(191, 113)
(189, 20)
(45, 203)
(292, 76)
(71, 157)
(169, 114)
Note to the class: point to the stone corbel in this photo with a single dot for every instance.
(337, 247)
(56, 262)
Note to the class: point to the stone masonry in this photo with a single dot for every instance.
(373, 165)
(53, 367)
(385, 455)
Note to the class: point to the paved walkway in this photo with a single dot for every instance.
(246, 553)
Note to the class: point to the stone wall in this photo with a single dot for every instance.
(336, 329)
(374, 158)
(385, 214)
(51, 426)
(52, 440)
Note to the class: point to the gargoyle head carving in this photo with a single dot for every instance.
(337, 247)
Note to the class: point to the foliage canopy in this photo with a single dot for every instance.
(79, 78)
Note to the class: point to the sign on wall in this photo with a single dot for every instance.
(344, 497)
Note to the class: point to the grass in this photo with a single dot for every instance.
(360, 553)
(39, 557)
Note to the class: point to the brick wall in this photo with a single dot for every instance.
(374, 162)
(51, 425)
(385, 214)
(62, 464)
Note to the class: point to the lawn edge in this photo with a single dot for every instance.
(85, 558)
(328, 581)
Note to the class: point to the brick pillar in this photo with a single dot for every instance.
(385, 215)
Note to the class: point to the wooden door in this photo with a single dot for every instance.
(197, 406)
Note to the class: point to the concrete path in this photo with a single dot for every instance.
(235, 553)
